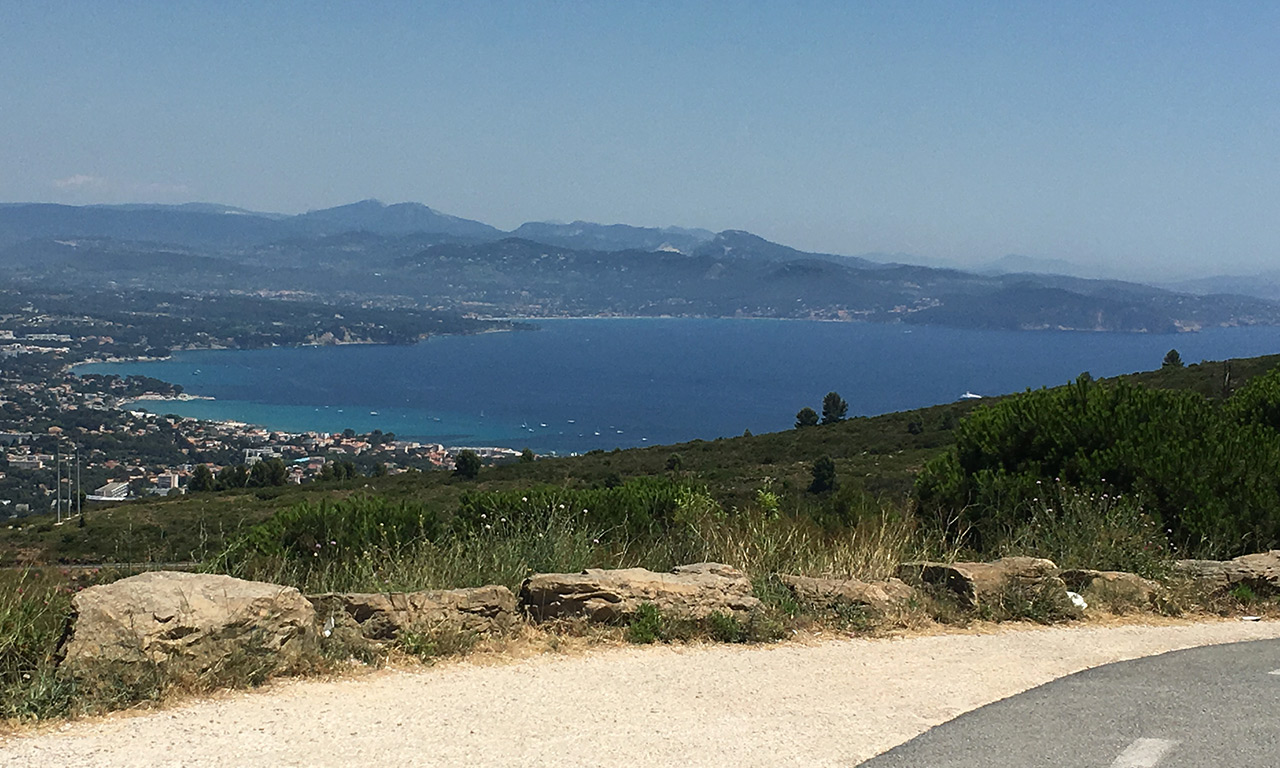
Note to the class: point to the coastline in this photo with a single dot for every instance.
(69, 369)
(653, 381)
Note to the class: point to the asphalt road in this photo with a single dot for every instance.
(1199, 708)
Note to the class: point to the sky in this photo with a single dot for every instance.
(1139, 137)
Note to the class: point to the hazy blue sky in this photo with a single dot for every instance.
(1145, 135)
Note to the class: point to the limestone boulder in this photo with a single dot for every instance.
(829, 593)
(382, 616)
(977, 584)
(1116, 590)
(689, 591)
(1259, 572)
(189, 621)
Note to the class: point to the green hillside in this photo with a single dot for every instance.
(876, 461)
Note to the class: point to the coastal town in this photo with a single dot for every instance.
(69, 440)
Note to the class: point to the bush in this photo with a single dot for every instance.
(338, 530)
(647, 626)
(1208, 475)
(824, 475)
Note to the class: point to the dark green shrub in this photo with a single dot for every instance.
(338, 529)
(647, 626)
(824, 475)
(1209, 476)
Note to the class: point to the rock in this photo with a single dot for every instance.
(980, 583)
(689, 591)
(1259, 572)
(827, 593)
(189, 621)
(382, 616)
(1116, 590)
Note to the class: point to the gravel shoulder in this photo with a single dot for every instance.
(829, 703)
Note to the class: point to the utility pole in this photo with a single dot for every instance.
(57, 483)
(79, 495)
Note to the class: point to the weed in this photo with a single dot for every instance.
(1244, 594)
(941, 605)
(647, 626)
(852, 617)
(775, 595)
(33, 614)
(1082, 529)
(764, 626)
(434, 641)
(1043, 603)
(725, 628)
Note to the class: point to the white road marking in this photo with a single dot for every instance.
(1143, 753)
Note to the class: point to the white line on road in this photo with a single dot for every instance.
(1143, 753)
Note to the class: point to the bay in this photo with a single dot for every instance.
(578, 385)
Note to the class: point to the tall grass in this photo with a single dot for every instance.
(33, 613)
(1104, 530)
(502, 538)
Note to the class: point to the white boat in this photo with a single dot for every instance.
(970, 396)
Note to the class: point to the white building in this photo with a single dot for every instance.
(110, 492)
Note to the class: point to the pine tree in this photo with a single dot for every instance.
(834, 408)
(807, 417)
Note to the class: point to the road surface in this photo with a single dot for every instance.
(1199, 708)
(833, 703)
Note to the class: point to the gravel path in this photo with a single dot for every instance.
(825, 704)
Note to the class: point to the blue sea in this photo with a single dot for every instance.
(576, 385)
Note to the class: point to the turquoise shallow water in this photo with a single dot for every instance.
(575, 385)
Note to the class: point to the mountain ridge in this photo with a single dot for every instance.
(408, 254)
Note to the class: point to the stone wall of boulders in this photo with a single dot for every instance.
(194, 622)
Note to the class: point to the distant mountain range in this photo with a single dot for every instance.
(209, 225)
(1264, 285)
(411, 255)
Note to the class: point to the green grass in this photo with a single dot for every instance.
(33, 611)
